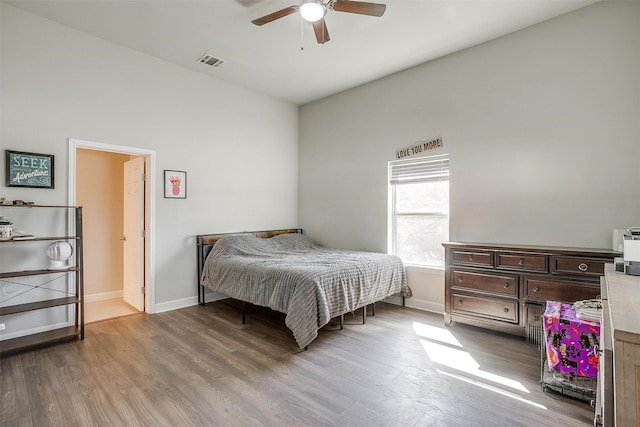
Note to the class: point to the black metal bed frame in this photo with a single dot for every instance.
(205, 242)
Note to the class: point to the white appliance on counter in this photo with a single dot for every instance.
(632, 251)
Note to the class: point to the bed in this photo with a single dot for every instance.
(287, 272)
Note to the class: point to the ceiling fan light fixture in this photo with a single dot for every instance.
(312, 10)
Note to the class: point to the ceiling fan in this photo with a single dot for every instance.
(314, 11)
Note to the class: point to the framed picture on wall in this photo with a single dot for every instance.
(175, 184)
(29, 169)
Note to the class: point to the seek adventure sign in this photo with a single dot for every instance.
(29, 170)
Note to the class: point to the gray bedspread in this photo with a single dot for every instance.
(309, 283)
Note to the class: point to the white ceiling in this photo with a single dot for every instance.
(269, 59)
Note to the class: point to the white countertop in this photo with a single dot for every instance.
(623, 292)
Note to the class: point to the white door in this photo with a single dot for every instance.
(133, 235)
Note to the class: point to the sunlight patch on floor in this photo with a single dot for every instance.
(492, 388)
(463, 361)
(435, 334)
(443, 347)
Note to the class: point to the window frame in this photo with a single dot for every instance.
(436, 168)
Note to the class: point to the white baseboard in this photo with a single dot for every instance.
(432, 307)
(103, 296)
(10, 335)
(416, 303)
(176, 304)
(187, 302)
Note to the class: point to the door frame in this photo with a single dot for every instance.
(149, 203)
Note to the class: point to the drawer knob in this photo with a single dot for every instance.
(460, 279)
(583, 267)
(521, 262)
(506, 285)
(536, 289)
(459, 302)
(506, 310)
(470, 257)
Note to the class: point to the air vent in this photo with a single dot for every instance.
(211, 60)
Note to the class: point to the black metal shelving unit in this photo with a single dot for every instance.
(76, 297)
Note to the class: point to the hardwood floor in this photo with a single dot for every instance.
(199, 366)
(96, 311)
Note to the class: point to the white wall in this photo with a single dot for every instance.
(239, 148)
(542, 128)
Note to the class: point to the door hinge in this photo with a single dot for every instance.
(143, 177)
(143, 233)
(142, 290)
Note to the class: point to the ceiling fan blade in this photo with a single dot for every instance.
(360, 7)
(275, 15)
(320, 28)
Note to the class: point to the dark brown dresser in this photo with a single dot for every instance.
(502, 287)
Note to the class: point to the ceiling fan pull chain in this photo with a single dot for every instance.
(301, 34)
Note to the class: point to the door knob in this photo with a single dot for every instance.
(123, 238)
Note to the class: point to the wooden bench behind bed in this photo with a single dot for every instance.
(205, 242)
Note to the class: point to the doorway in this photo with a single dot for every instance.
(100, 181)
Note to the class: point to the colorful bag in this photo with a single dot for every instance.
(570, 342)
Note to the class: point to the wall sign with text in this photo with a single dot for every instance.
(418, 148)
(29, 170)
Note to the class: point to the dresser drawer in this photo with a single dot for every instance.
(472, 258)
(503, 285)
(578, 266)
(486, 307)
(522, 262)
(554, 290)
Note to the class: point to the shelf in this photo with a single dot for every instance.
(38, 239)
(36, 272)
(39, 338)
(21, 308)
(38, 206)
(70, 301)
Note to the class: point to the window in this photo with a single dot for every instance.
(419, 205)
